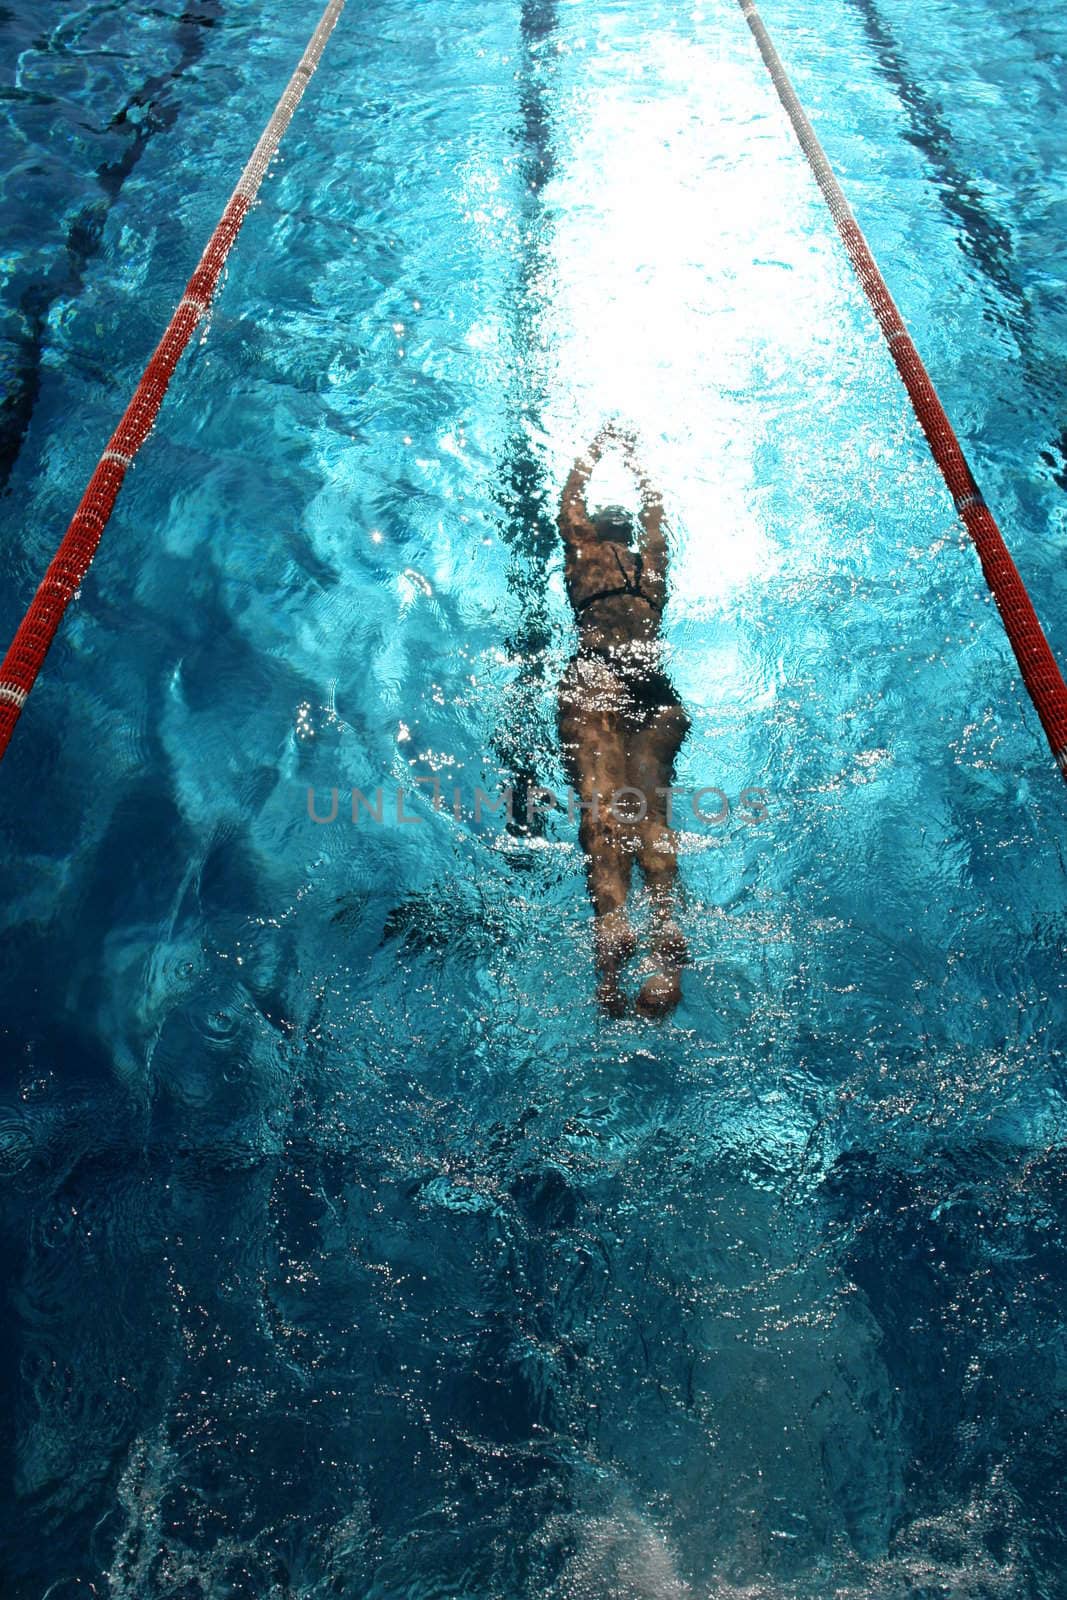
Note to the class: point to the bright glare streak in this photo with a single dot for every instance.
(689, 292)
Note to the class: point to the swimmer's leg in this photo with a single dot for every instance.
(653, 752)
(608, 868)
(594, 751)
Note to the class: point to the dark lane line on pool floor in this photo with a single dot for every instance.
(982, 237)
(149, 111)
(526, 733)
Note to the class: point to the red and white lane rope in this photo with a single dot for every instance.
(71, 561)
(1040, 674)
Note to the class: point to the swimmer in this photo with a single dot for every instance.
(621, 725)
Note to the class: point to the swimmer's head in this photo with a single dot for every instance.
(613, 524)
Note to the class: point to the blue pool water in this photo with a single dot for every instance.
(348, 1249)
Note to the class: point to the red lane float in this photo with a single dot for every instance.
(1040, 673)
(79, 544)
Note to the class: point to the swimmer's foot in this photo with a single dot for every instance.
(614, 942)
(659, 994)
(662, 991)
(610, 997)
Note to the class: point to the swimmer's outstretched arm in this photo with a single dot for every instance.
(574, 523)
(654, 543)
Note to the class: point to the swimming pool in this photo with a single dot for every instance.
(349, 1248)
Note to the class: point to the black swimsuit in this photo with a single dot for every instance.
(630, 585)
(636, 668)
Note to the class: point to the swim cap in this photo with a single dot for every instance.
(614, 523)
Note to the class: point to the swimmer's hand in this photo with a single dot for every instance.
(616, 432)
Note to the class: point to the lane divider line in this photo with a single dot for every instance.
(71, 562)
(1040, 673)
